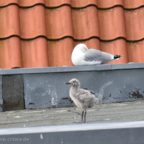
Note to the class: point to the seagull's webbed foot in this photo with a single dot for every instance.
(83, 118)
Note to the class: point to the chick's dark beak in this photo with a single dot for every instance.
(67, 83)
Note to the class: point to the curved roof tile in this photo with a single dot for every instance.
(82, 3)
(28, 3)
(134, 21)
(34, 53)
(131, 4)
(32, 22)
(85, 23)
(60, 52)
(117, 47)
(136, 52)
(109, 3)
(56, 3)
(9, 21)
(92, 43)
(112, 24)
(59, 22)
(7, 2)
(10, 53)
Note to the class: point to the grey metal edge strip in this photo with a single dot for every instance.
(71, 69)
(78, 127)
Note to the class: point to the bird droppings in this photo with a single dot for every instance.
(61, 111)
(17, 116)
(107, 119)
(41, 136)
(62, 141)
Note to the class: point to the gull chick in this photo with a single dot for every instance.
(81, 55)
(82, 98)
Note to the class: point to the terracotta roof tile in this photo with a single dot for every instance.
(56, 3)
(82, 3)
(132, 4)
(109, 3)
(59, 22)
(9, 21)
(32, 22)
(91, 43)
(7, 2)
(60, 52)
(112, 24)
(28, 3)
(136, 52)
(10, 53)
(134, 21)
(85, 23)
(41, 33)
(117, 47)
(34, 53)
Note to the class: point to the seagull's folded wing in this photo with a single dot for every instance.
(85, 97)
(99, 56)
(93, 55)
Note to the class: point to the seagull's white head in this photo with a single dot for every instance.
(78, 54)
(74, 82)
(81, 47)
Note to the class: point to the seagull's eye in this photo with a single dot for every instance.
(74, 81)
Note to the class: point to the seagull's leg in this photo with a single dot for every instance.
(84, 116)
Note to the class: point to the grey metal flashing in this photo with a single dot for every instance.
(49, 89)
(72, 69)
(76, 127)
(1, 99)
(47, 70)
(77, 134)
(104, 67)
(128, 66)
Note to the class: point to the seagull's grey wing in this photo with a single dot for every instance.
(96, 55)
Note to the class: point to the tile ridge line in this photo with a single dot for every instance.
(72, 7)
(78, 40)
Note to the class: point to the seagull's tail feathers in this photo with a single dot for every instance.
(117, 57)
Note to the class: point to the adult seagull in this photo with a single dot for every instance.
(81, 55)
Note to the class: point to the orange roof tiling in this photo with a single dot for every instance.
(111, 23)
(85, 23)
(59, 23)
(43, 33)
